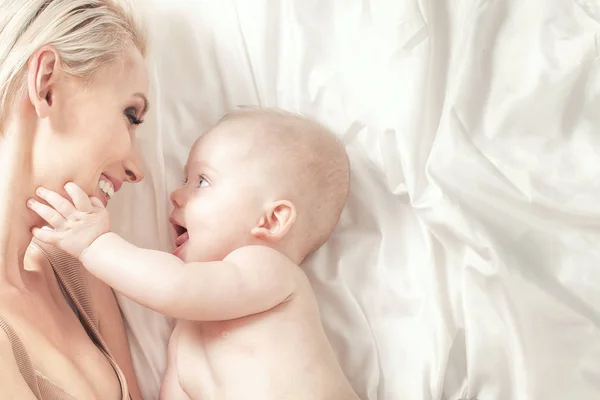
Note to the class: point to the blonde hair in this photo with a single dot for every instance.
(86, 35)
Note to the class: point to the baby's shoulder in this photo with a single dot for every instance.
(265, 259)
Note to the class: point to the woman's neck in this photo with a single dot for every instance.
(16, 186)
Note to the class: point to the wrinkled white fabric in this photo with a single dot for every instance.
(466, 264)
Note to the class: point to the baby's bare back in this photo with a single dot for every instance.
(279, 354)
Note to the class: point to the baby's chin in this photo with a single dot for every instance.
(197, 255)
(185, 257)
(197, 258)
(179, 252)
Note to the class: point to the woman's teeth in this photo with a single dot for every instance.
(106, 187)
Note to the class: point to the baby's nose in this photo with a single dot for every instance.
(177, 197)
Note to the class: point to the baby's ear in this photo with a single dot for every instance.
(276, 221)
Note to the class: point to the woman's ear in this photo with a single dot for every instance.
(41, 76)
(276, 221)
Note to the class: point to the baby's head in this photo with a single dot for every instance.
(260, 176)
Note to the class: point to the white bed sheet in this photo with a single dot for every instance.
(466, 264)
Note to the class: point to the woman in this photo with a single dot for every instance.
(72, 91)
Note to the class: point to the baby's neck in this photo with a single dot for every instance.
(291, 252)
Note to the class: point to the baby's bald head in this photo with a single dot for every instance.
(300, 160)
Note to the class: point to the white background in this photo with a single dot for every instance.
(467, 261)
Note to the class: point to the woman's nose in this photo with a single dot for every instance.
(133, 167)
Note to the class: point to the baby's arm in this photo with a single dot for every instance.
(249, 281)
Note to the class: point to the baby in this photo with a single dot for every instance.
(262, 190)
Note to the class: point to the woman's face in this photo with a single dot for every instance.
(86, 131)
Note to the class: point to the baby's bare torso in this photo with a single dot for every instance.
(281, 354)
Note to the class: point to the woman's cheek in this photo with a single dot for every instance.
(119, 148)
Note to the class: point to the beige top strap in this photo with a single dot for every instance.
(71, 275)
(22, 358)
(40, 386)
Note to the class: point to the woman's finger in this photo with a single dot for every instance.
(49, 214)
(45, 235)
(80, 199)
(60, 204)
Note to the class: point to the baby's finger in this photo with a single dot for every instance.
(50, 215)
(96, 202)
(44, 235)
(80, 199)
(60, 204)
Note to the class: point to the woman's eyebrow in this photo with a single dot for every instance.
(145, 100)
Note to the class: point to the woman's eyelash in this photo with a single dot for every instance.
(130, 114)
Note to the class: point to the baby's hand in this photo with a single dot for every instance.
(76, 224)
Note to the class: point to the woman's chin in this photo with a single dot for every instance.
(104, 199)
(102, 196)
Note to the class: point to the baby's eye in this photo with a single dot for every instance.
(184, 182)
(203, 182)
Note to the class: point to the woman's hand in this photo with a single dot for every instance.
(77, 223)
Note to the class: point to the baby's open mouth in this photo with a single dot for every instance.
(182, 234)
